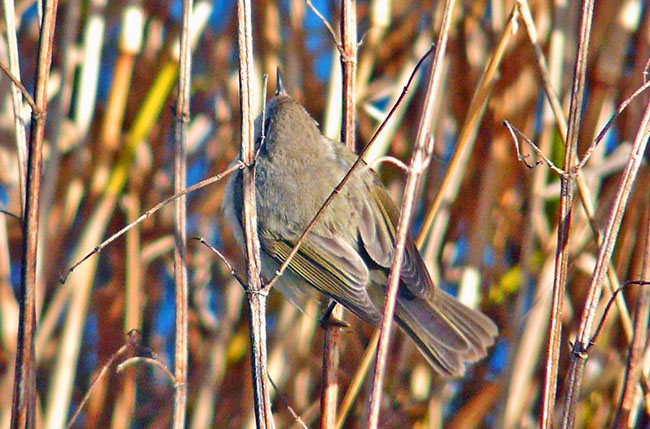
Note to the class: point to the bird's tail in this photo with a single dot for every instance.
(447, 332)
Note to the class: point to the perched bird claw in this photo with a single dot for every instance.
(331, 321)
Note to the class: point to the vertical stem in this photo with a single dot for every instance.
(332, 341)
(349, 67)
(610, 233)
(24, 391)
(419, 160)
(255, 293)
(180, 216)
(565, 214)
(634, 359)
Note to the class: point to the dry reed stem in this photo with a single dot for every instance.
(256, 293)
(419, 161)
(125, 402)
(23, 411)
(634, 365)
(332, 339)
(564, 216)
(180, 221)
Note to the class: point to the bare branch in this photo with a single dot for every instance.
(234, 273)
(514, 132)
(22, 89)
(235, 166)
(327, 25)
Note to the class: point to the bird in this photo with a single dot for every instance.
(348, 254)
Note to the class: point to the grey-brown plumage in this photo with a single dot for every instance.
(348, 254)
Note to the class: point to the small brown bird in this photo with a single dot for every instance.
(348, 254)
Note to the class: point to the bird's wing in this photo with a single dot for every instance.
(378, 226)
(329, 264)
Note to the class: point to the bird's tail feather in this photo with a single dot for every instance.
(447, 332)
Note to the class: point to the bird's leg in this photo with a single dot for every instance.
(327, 320)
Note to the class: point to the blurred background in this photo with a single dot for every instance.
(109, 157)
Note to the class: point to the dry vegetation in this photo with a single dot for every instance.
(108, 156)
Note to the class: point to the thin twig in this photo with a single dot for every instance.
(132, 344)
(634, 365)
(154, 361)
(325, 23)
(203, 183)
(515, 132)
(389, 160)
(295, 415)
(21, 87)
(610, 303)
(420, 160)
(234, 273)
(610, 122)
(6, 213)
(332, 338)
(349, 69)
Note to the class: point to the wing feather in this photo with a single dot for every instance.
(379, 217)
(329, 264)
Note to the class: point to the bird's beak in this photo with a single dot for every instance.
(279, 86)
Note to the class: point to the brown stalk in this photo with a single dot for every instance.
(180, 220)
(256, 294)
(635, 356)
(610, 233)
(24, 390)
(349, 67)
(332, 340)
(357, 380)
(125, 401)
(564, 216)
(419, 162)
